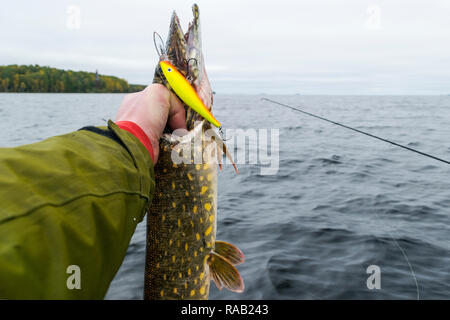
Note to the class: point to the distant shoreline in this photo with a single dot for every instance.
(37, 79)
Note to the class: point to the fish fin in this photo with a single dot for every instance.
(225, 150)
(216, 281)
(224, 274)
(229, 252)
(219, 157)
(222, 148)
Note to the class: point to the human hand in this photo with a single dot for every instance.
(151, 109)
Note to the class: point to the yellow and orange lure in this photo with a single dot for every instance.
(186, 92)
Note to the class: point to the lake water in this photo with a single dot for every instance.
(339, 203)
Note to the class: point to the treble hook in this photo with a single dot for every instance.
(222, 135)
(161, 50)
(187, 64)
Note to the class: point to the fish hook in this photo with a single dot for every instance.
(187, 64)
(222, 134)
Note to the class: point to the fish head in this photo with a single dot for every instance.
(184, 52)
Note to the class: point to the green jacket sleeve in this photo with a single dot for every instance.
(69, 206)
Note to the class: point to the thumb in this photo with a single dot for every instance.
(177, 113)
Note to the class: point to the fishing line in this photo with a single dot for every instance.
(382, 139)
(359, 131)
(161, 50)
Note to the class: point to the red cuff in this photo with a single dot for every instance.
(135, 130)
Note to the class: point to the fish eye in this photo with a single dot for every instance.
(169, 69)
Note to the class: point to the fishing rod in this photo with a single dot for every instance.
(357, 130)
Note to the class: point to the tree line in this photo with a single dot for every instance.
(34, 78)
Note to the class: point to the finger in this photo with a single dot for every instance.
(177, 113)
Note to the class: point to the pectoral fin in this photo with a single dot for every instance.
(222, 149)
(224, 274)
(219, 157)
(229, 252)
(225, 150)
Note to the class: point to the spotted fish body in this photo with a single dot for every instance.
(183, 255)
(181, 227)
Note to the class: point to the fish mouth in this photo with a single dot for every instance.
(184, 51)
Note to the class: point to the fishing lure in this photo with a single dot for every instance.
(186, 92)
(182, 87)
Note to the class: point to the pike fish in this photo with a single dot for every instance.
(183, 255)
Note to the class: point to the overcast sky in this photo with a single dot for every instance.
(307, 47)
